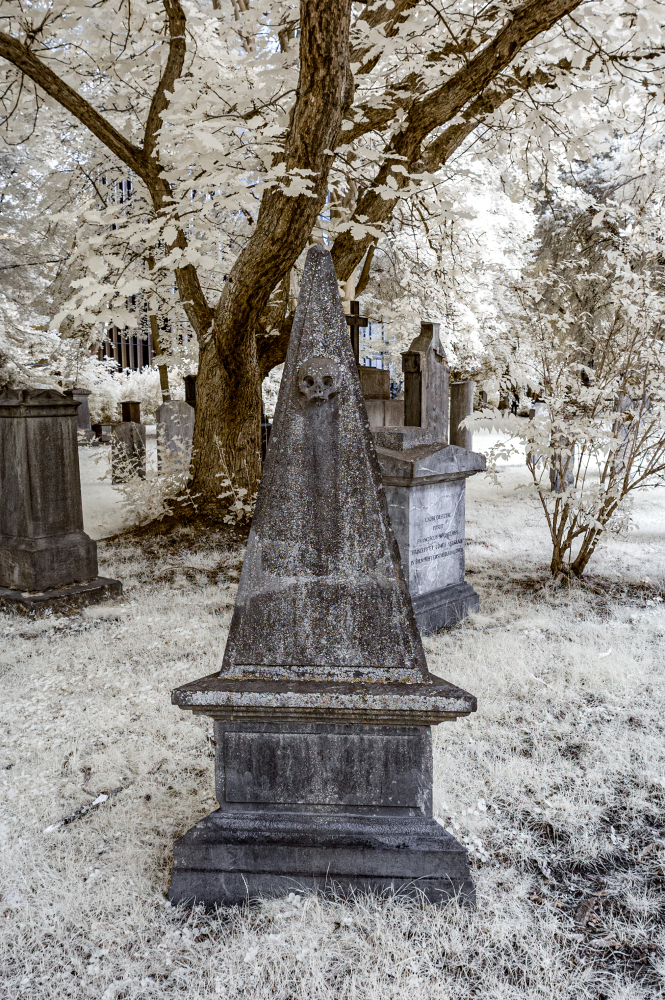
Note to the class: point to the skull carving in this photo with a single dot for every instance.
(319, 379)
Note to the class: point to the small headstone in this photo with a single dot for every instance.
(324, 702)
(425, 482)
(461, 406)
(86, 435)
(190, 390)
(103, 432)
(46, 559)
(381, 409)
(131, 411)
(128, 445)
(175, 430)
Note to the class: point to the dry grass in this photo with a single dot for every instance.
(557, 786)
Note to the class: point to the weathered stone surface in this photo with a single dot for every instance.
(232, 858)
(323, 703)
(426, 386)
(322, 585)
(42, 542)
(304, 767)
(128, 451)
(374, 382)
(65, 600)
(103, 433)
(86, 435)
(175, 430)
(43, 547)
(424, 482)
(461, 406)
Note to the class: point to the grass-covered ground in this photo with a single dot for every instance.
(557, 786)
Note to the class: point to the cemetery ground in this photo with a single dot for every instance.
(556, 785)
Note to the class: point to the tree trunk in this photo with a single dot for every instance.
(227, 428)
(228, 390)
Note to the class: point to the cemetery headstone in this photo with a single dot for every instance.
(190, 390)
(128, 445)
(381, 409)
(47, 561)
(86, 435)
(175, 430)
(324, 702)
(103, 433)
(461, 406)
(425, 483)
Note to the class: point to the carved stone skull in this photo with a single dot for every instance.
(319, 379)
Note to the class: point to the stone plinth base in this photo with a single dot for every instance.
(232, 858)
(62, 599)
(444, 608)
(54, 561)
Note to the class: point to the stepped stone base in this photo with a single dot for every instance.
(63, 599)
(233, 858)
(443, 608)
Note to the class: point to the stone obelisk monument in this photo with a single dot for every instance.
(324, 702)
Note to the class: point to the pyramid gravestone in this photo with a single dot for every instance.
(47, 562)
(324, 702)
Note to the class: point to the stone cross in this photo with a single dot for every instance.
(47, 561)
(324, 701)
(356, 323)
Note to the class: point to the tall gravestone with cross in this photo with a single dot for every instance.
(324, 703)
(425, 483)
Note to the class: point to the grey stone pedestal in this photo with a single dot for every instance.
(44, 553)
(318, 806)
(425, 489)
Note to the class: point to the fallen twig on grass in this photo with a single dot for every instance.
(85, 809)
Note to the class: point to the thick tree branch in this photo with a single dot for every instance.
(21, 56)
(142, 161)
(529, 20)
(432, 112)
(172, 71)
(284, 223)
